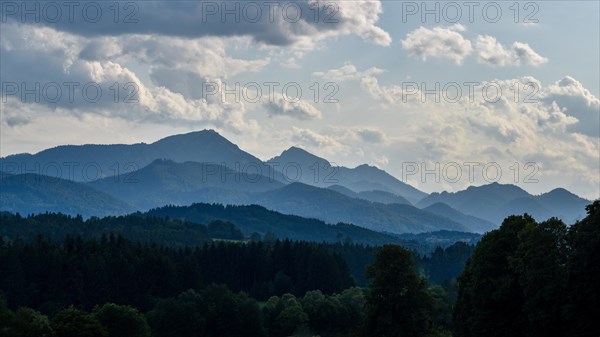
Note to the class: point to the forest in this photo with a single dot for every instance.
(526, 278)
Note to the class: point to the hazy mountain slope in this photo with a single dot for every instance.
(205, 167)
(203, 146)
(564, 204)
(363, 185)
(91, 162)
(319, 172)
(30, 193)
(371, 174)
(331, 206)
(475, 197)
(522, 205)
(383, 197)
(166, 182)
(343, 190)
(475, 224)
(495, 201)
(258, 219)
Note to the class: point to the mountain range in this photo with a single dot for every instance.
(495, 201)
(92, 162)
(205, 167)
(257, 219)
(32, 193)
(320, 172)
(165, 182)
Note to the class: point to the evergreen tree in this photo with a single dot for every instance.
(72, 322)
(398, 303)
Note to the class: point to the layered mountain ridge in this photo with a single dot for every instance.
(203, 166)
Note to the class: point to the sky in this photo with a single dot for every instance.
(442, 95)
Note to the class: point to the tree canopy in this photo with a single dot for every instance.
(541, 279)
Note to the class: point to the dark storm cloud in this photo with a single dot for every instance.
(271, 22)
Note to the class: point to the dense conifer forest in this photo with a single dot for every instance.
(539, 277)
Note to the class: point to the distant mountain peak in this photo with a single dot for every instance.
(366, 166)
(298, 185)
(297, 154)
(496, 185)
(439, 205)
(560, 194)
(201, 146)
(206, 134)
(296, 149)
(560, 191)
(339, 188)
(161, 161)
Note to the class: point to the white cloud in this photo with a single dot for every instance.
(360, 17)
(347, 72)
(43, 56)
(367, 80)
(438, 42)
(180, 64)
(206, 57)
(491, 52)
(380, 161)
(356, 136)
(555, 126)
(314, 140)
(117, 91)
(372, 135)
(295, 108)
(449, 43)
(574, 100)
(383, 94)
(350, 145)
(526, 55)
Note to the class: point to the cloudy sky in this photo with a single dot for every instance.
(495, 91)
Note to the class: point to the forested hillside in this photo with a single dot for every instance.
(303, 289)
(539, 277)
